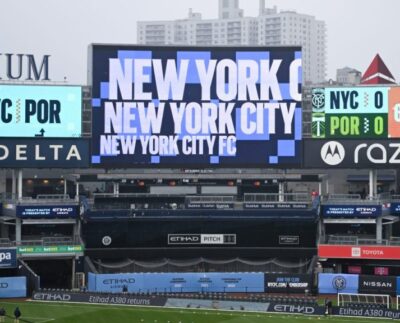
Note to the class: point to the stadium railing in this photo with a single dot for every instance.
(360, 240)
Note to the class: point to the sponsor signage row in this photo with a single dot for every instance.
(366, 312)
(359, 252)
(196, 106)
(177, 282)
(273, 205)
(8, 258)
(47, 211)
(75, 153)
(49, 249)
(209, 206)
(94, 298)
(349, 211)
(357, 112)
(201, 239)
(40, 111)
(44, 153)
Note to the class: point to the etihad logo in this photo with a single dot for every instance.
(332, 153)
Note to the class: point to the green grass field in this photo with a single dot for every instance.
(37, 312)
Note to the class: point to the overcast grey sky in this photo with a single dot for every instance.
(357, 29)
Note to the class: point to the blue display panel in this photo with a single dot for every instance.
(40, 111)
(194, 106)
(178, 282)
(348, 211)
(337, 283)
(46, 211)
(12, 287)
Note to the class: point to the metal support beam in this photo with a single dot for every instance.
(371, 184)
(379, 228)
(13, 184)
(20, 175)
(77, 191)
(116, 188)
(281, 191)
(18, 229)
(73, 274)
(65, 186)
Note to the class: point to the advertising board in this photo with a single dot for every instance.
(12, 287)
(177, 282)
(8, 258)
(44, 153)
(46, 211)
(287, 283)
(49, 250)
(351, 153)
(364, 112)
(93, 298)
(196, 106)
(369, 284)
(351, 211)
(337, 283)
(359, 252)
(40, 111)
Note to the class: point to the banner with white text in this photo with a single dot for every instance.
(196, 107)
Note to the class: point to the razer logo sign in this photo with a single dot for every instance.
(332, 153)
(339, 283)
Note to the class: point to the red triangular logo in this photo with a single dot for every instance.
(377, 73)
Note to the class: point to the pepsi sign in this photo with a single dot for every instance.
(8, 258)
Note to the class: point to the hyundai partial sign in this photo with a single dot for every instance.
(351, 153)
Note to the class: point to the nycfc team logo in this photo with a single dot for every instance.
(332, 153)
(339, 283)
(318, 99)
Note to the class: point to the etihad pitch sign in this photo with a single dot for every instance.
(196, 106)
(201, 239)
(40, 111)
(351, 153)
(44, 153)
(358, 112)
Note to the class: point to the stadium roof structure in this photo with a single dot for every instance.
(377, 73)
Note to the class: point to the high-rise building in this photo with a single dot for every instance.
(348, 76)
(269, 28)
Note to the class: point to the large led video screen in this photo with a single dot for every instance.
(40, 111)
(195, 106)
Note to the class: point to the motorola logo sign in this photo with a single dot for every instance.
(3, 285)
(332, 153)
